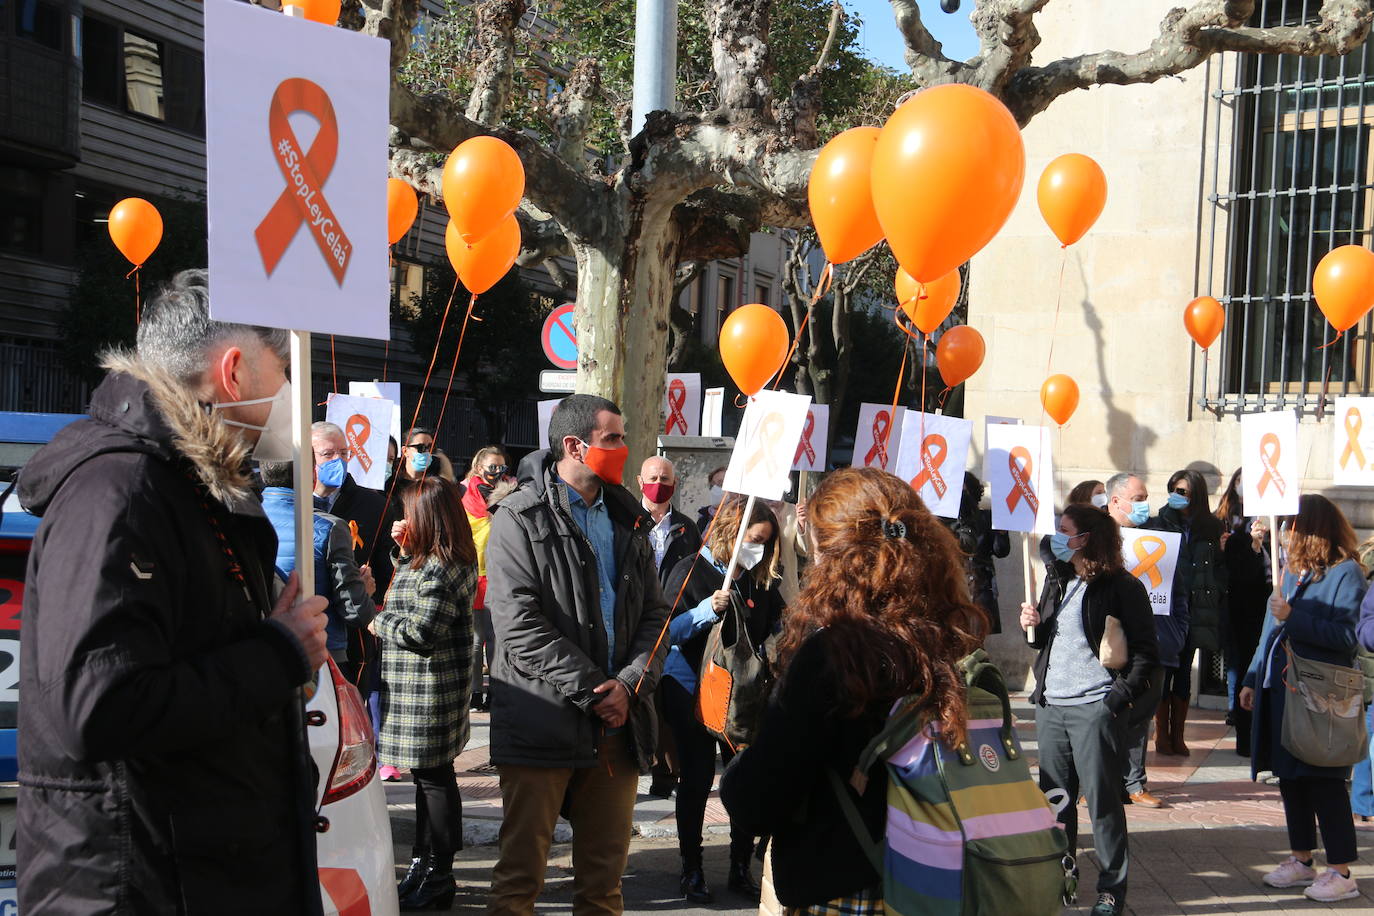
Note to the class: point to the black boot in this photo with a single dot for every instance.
(1243, 719)
(693, 884)
(419, 867)
(741, 882)
(437, 889)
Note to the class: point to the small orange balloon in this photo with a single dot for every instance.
(482, 264)
(401, 207)
(927, 305)
(1344, 285)
(840, 196)
(947, 172)
(753, 345)
(322, 11)
(1072, 193)
(1059, 396)
(483, 183)
(959, 353)
(135, 228)
(1204, 318)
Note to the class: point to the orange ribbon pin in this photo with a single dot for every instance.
(1353, 423)
(882, 422)
(931, 460)
(357, 431)
(357, 538)
(677, 399)
(1269, 457)
(1020, 465)
(303, 202)
(1147, 559)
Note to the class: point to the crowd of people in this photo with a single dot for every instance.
(163, 615)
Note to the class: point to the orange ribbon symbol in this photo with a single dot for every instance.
(677, 399)
(804, 447)
(930, 464)
(770, 433)
(1147, 559)
(1353, 423)
(1269, 457)
(303, 201)
(882, 421)
(353, 530)
(356, 431)
(1019, 463)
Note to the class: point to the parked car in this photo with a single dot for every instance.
(356, 866)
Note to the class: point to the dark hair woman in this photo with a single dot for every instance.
(1315, 611)
(1096, 635)
(426, 633)
(1245, 551)
(488, 483)
(704, 598)
(1203, 573)
(1088, 493)
(884, 613)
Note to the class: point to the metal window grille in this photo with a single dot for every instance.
(1297, 183)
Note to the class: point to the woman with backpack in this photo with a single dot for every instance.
(700, 581)
(884, 613)
(1095, 633)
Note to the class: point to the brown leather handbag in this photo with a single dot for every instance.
(735, 680)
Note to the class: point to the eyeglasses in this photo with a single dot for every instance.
(496, 469)
(1181, 491)
(420, 446)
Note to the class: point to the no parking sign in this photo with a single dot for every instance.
(559, 337)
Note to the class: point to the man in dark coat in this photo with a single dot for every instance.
(579, 617)
(164, 766)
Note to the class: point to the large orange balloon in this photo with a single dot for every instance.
(483, 183)
(1059, 396)
(135, 228)
(481, 265)
(323, 11)
(401, 207)
(946, 174)
(1344, 285)
(1204, 318)
(753, 345)
(959, 353)
(1072, 193)
(840, 196)
(927, 305)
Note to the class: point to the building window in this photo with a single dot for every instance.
(1298, 183)
(21, 210)
(143, 76)
(407, 285)
(39, 21)
(762, 294)
(100, 55)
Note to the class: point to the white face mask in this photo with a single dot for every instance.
(750, 554)
(1100, 500)
(274, 443)
(714, 496)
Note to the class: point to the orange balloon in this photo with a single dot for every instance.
(482, 264)
(946, 174)
(959, 353)
(840, 196)
(753, 345)
(927, 305)
(401, 207)
(323, 11)
(1059, 396)
(1204, 318)
(1072, 193)
(483, 183)
(1344, 285)
(136, 229)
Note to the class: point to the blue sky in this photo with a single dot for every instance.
(882, 43)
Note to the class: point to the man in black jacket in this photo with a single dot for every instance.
(579, 615)
(164, 766)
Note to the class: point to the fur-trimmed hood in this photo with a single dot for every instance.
(141, 408)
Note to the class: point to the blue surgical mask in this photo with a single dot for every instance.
(421, 461)
(1059, 544)
(331, 474)
(1178, 501)
(1140, 512)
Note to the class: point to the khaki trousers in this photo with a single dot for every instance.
(600, 808)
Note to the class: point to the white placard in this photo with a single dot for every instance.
(934, 461)
(768, 437)
(1002, 421)
(682, 404)
(391, 391)
(1269, 459)
(363, 421)
(712, 410)
(1352, 455)
(811, 448)
(878, 436)
(1151, 556)
(1019, 468)
(545, 414)
(297, 118)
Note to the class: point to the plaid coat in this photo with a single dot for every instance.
(426, 633)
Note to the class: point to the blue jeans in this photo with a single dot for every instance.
(1362, 778)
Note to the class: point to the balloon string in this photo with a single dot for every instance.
(944, 394)
(138, 295)
(1054, 331)
(386, 359)
(925, 352)
(333, 364)
(454, 369)
(821, 288)
(896, 396)
(1333, 341)
(907, 328)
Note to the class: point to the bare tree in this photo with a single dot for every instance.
(693, 183)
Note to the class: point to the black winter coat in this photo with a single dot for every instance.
(683, 541)
(697, 578)
(368, 508)
(1203, 571)
(1247, 594)
(163, 766)
(981, 544)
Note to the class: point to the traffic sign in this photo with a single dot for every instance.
(557, 382)
(560, 337)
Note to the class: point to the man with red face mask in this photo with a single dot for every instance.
(573, 589)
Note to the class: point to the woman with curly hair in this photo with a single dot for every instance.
(884, 613)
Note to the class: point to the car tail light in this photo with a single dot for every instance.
(356, 760)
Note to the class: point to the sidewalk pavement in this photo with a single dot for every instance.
(1204, 853)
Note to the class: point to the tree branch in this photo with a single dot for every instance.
(572, 111)
(797, 115)
(739, 54)
(494, 52)
(924, 55)
(1007, 37)
(393, 20)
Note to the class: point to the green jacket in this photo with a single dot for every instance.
(1203, 574)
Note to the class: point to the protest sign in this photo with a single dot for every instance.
(545, 409)
(811, 448)
(712, 412)
(1019, 468)
(1269, 462)
(682, 404)
(878, 436)
(364, 422)
(767, 441)
(1151, 556)
(1353, 454)
(934, 462)
(391, 391)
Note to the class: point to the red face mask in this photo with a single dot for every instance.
(607, 463)
(659, 493)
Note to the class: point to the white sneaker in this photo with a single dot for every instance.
(1332, 886)
(1291, 873)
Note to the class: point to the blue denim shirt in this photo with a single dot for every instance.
(595, 522)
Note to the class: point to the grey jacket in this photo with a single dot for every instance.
(551, 644)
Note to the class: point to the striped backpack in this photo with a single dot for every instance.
(968, 830)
